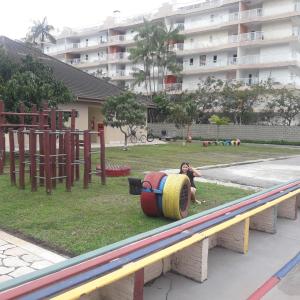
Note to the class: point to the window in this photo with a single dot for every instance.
(234, 58)
(86, 42)
(210, 38)
(212, 18)
(215, 58)
(86, 57)
(191, 61)
(202, 60)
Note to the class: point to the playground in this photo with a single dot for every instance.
(75, 222)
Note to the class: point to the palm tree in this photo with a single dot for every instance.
(39, 34)
(153, 54)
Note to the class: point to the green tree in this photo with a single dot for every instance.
(39, 34)
(124, 112)
(215, 119)
(183, 113)
(284, 103)
(238, 100)
(208, 97)
(30, 82)
(153, 56)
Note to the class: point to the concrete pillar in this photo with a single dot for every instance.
(192, 261)
(128, 288)
(298, 200)
(236, 237)
(265, 221)
(157, 269)
(288, 208)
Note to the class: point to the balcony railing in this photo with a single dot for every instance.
(171, 87)
(202, 5)
(118, 56)
(121, 38)
(119, 73)
(176, 47)
(251, 14)
(251, 36)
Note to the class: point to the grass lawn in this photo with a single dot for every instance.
(84, 220)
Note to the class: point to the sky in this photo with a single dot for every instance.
(17, 16)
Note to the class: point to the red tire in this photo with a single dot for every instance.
(149, 202)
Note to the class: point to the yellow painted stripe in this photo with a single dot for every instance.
(130, 268)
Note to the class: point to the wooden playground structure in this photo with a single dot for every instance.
(51, 151)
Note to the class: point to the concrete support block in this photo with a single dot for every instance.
(236, 237)
(288, 208)
(192, 261)
(157, 269)
(265, 221)
(213, 241)
(128, 288)
(298, 200)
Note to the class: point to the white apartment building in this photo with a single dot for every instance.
(248, 41)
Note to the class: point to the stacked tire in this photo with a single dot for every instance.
(173, 201)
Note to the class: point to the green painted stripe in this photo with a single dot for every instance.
(89, 255)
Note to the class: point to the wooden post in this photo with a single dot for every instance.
(73, 116)
(32, 150)
(12, 157)
(41, 145)
(77, 156)
(61, 160)
(53, 146)
(48, 182)
(102, 156)
(21, 159)
(2, 137)
(86, 150)
(90, 157)
(68, 160)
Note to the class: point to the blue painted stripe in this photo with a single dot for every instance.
(159, 196)
(138, 254)
(288, 267)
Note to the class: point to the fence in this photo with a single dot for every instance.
(243, 132)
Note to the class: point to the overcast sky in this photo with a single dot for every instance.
(18, 15)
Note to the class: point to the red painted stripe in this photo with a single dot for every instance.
(62, 274)
(266, 287)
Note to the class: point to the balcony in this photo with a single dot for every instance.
(176, 47)
(118, 57)
(120, 75)
(170, 87)
(121, 38)
(251, 36)
(201, 6)
(251, 14)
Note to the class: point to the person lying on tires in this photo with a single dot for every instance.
(191, 173)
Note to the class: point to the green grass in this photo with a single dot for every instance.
(84, 220)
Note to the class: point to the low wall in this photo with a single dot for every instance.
(243, 132)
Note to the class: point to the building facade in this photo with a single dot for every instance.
(247, 41)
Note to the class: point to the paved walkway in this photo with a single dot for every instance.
(18, 257)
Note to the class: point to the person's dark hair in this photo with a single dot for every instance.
(182, 164)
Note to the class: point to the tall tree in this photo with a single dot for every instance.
(238, 100)
(39, 34)
(285, 104)
(153, 56)
(124, 112)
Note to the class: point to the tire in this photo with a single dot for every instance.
(176, 196)
(149, 201)
(150, 137)
(143, 139)
(133, 139)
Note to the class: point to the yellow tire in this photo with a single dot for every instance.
(176, 196)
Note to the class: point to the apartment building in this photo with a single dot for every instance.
(247, 41)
